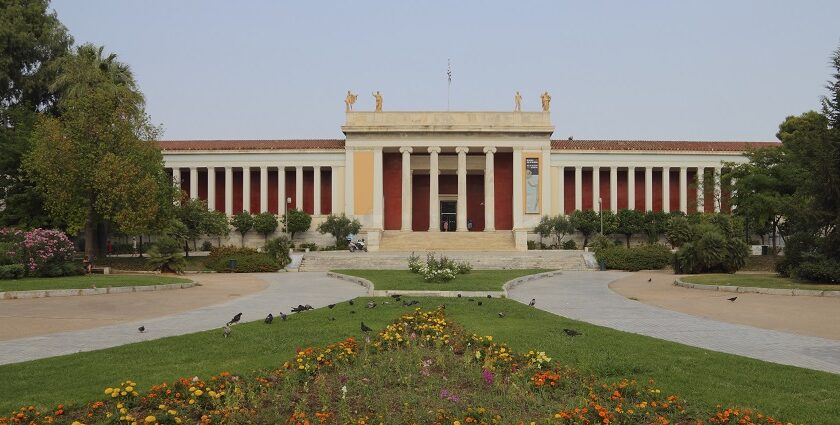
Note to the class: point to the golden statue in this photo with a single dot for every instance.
(546, 101)
(517, 99)
(349, 101)
(378, 98)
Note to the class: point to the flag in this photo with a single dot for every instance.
(449, 71)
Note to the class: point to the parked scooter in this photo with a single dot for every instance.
(358, 246)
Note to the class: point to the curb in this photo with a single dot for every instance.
(522, 279)
(754, 290)
(48, 293)
(355, 279)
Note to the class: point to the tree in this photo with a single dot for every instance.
(265, 223)
(655, 222)
(608, 222)
(340, 227)
(562, 227)
(242, 222)
(216, 225)
(97, 163)
(678, 231)
(630, 222)
(297, 221)
(193, 213)
(32, 40)
(585, 222)
(545, 227)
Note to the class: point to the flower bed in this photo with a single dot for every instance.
(437, 269)
(420, 369)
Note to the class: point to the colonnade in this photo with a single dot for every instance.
(263, 206)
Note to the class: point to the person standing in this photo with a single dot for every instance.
(134, 244)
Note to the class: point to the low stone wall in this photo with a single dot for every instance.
(47, 293)
(522, 279)
(753, 290)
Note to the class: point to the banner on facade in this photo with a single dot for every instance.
(532, 183)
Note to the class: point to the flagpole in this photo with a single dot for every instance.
(449, 82)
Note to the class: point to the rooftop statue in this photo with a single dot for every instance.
(518, 101)
(378, 98)
(349, 101)
(546, 101)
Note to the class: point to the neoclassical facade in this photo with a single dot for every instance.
(411, 177)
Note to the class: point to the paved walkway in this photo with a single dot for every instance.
(284, 291)
(586, 296)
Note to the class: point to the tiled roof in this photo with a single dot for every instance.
(657, 145)
(237, 145)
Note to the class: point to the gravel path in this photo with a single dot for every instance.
(586, 296)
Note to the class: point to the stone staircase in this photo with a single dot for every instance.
(488, 260)
(396, 241)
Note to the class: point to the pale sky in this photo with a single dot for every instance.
(684, 70)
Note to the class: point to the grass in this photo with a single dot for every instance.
(704, 378)
(757, 281)
(194, 263)
(404, 280)
(83, 282)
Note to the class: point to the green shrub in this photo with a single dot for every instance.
(165, 255)
(569, 244)
(532, 245)
(463, 267)
(247, 260)
(206, 246)
(642, 257)
(819, 270)
(278, 249)
(311, 245)
(711, 252)
(12, 271)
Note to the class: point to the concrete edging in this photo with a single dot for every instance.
(754, 290)
(432, 293)
(48, 293)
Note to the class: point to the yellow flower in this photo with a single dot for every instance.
(129, 388)
(150, 419)
(77, 423)
(198, 393)
(162, 407)
(109, 390)
(172, 412)
(178, 420)
(456, 423)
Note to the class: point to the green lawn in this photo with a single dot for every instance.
(476, 280)
(194, 263)
(757, 281)
(704, 378)
(83, 282)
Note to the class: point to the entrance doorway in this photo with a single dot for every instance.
(448, 215)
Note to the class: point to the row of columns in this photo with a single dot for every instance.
(631, 188)
(246, 188)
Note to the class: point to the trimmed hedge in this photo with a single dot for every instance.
(12, 271)
(642, 257)
(247, 260)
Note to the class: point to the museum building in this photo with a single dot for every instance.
(479, 179)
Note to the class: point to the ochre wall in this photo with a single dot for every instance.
(363, 182)
(475, 199)
(503, 167)
(392, 189)
(420, 203)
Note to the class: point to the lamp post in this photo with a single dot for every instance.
(286, 216)
(601, 216)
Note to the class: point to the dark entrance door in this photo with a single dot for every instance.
(448, 215)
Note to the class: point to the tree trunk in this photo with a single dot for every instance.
(628, 236)
(90, 234)
(775, 225)
(186, 248)
(140, 247)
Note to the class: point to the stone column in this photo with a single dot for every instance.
(263, 188)
(176, 179)
(299, 187)
(349, 207)
(211, 188)
(405, 193)
(336, 206)
(378, 196)
(518, 204)
(718, 194)
(461, 222)
(684, 190)
(614, 189)
(246, 189)
(701, 195)
(228, 191)
(489, 190)
(193, 183)
(578, 188)
(316, 189)
(281, 190)
(666, 189)
(596, 186)
(648, 188)
(631, 188)
(561, 191)
(434, 202)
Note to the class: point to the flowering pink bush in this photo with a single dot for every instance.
(43, 252)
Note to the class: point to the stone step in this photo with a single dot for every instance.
(393, 241)
(554, 260)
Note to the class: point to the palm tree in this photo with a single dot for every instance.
(88, 70)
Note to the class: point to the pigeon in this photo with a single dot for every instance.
(226, 330)
(331, 319)
(395, 296)
(732, 299)
(489, 296)
(533, 302)
(308, 307)
(331, 306)
(299, 308)
(350, 302)
(235, 319)
(352, 311)
(650, 279)
(572, 332)
(370, 304)
(459, 295)
(501, 314)
(480, 303)
(142, 329)
(282, 316)
(269, 319)
(365, 328)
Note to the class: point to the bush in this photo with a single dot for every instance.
(206, 246)
(463, 267)
(569, 244)
(440, 269)
(297, 221)
(819, 270)
(532, 245)
(340, 227)
(278, 249)
(12, 271)
(43, 252)
(247, 260)
(165, 255)
(311, 245)
(642, 257)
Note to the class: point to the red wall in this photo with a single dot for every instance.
(622, 189)
(674, 190)
(392, 189)
(237, 191)
(640, 190)
(309, 191)
(503, 170)
(605, 189)
(587, 190)
(448, 184)
(657, 190)
(326, 191)
(420, 203)
(475, 199)
(569, 190)
(255, 191)
(290, 187)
